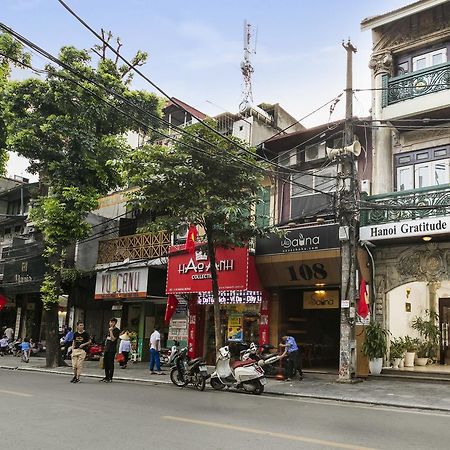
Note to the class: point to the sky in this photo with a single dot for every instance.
(195, 48)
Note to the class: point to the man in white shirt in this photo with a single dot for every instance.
(155, 347)
(9, 332)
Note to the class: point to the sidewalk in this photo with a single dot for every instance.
(376, 391)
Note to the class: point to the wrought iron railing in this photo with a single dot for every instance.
(134, 247)
(416, 84)
(406, 205)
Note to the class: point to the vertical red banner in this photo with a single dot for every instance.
(192, 341)
(264, 321)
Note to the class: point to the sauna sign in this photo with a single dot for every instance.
(407, 228)
(127, 283)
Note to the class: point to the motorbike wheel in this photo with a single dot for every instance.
(259, 388)
(176, 379)
(216, 384)
(200, 382)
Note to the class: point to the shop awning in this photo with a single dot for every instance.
(300, 268)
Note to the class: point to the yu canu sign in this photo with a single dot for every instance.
(129, 283)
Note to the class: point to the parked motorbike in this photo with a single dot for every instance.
(167, 356)
(94, 352)
(188, 371)
(245, 375)
(265, 355)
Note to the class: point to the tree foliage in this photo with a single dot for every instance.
(203, 179)
(75, 141)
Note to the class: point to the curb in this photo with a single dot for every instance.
(269, 393)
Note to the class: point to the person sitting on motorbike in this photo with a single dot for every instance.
(67, 342)
(3, 345)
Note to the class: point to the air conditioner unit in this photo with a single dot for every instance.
(181, 234)
(317, 151)
(366, 186)
(287, 159)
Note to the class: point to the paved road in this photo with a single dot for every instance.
(45, 411)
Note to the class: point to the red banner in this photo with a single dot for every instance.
(190, 272)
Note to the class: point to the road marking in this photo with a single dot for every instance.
(291, 437)
(19, 394)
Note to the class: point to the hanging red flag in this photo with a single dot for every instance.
(171, 306)
(363, 308)
(191, 238)
(3, 301)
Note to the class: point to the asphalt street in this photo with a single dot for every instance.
(45, 411)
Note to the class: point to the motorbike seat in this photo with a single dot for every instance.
(194, 361)
(247, 362)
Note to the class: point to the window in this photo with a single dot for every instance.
(429, 59)
(263, 208)
(307, 184)
(431, 169)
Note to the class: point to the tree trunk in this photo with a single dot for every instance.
(53, 357)
(215, 289)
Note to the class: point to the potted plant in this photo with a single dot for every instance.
(410, 347)
(429, 336)
(397, 352)
(375, 346)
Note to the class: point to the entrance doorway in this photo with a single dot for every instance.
(444, 323)
(316, 330)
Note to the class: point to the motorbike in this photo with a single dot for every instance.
(265, 355)
(94, 352)
(167, 356)
(247, 375)
(188, 371)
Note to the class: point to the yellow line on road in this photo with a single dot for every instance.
(291, 437)
(19, 394)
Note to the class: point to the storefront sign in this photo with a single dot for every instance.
(230, 297)
(235, 330)
(178, 330)
(407, 228)
(127, 283)
(302, 239)
(189, 273)
(320, 299)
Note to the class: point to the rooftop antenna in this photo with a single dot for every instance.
(247, 69)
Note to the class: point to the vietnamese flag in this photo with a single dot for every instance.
(191, 238)
(363, 309)
(171, 306)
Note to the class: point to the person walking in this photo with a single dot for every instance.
(110, 350)
(293, 357)
(155, 348)
(81, 340)
(124, 349)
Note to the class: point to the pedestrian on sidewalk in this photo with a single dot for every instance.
(110, 350)
(26, 350)
(155, 348)
(124, 349)
(293, 362)
(3, 345)
(81, 340)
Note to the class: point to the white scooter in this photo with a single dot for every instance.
(247, 375)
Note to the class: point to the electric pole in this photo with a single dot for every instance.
(347, 214)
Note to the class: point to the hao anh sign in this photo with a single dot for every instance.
(126, 283)
(190, 272)
(302, 239)
(405, 229)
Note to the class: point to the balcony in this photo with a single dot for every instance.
(411, 201)
(416, 84)
(134, 247)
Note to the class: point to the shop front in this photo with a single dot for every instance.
(302, 273)
(412, 266)
(135, 297)
(244, 312)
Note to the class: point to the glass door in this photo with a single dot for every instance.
(444, 322)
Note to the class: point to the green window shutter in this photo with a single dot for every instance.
(263, 208)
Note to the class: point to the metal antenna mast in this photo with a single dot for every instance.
(247, 69)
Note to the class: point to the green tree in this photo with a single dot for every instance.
(214, 186)
(75, 141)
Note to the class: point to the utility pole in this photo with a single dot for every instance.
(347, 213)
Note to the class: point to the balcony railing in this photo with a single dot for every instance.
(134, 247)
(407, 205)
(416, 84)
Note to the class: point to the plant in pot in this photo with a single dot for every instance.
(397, 352)
(430, 335)
(411, 345)
(375, 346)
